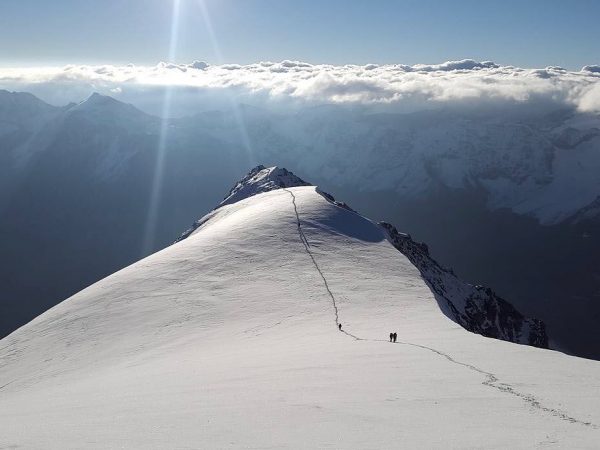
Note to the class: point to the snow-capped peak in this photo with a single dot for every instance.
(262, 179)
(477, 309)
(104, 109)
(100, 106)
(96, 101)
(276, 316)
(259, 180)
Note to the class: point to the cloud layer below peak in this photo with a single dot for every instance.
(393, 85)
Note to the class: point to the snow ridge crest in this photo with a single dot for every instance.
(475, 308)
(262, 179)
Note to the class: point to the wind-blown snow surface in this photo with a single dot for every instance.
(476, 308)
(229, 339)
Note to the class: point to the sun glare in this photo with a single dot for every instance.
(157, 180)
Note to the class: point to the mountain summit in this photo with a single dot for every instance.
(476, 308)
(103, 109)
(262, 179)
(269, 325)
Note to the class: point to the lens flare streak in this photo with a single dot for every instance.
(149, 241)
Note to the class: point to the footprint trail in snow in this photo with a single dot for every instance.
(490, 379)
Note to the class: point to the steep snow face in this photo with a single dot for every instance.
(230, 338)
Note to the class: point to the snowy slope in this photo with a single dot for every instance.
(260, 179)
(476, 308)
(228, 339)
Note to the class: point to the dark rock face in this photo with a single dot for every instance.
(476, 308)
(330, 199)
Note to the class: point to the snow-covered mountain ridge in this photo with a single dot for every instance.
(484, 175)
(476, 308)
(230, 339)
(262, 179)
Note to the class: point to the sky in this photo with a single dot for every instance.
(532, 33)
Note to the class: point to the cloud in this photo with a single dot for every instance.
(589, 101)
(449, 66)
(593, 69)
(200, 65)
(393, 85)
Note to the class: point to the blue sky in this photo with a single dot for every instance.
(526, 33)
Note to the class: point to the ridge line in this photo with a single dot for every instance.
(314, 261)
(490, 379)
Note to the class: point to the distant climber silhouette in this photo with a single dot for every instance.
(391, 336)
(395, 336)
(340, 326)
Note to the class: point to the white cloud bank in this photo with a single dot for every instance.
(402, 86)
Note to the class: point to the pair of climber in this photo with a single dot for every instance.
(393, 337)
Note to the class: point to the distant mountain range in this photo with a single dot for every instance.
(539, 165)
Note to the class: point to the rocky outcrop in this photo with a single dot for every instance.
(476, 308)
(260, 179)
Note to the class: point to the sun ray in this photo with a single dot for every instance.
(234, 104)
(157, 179)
